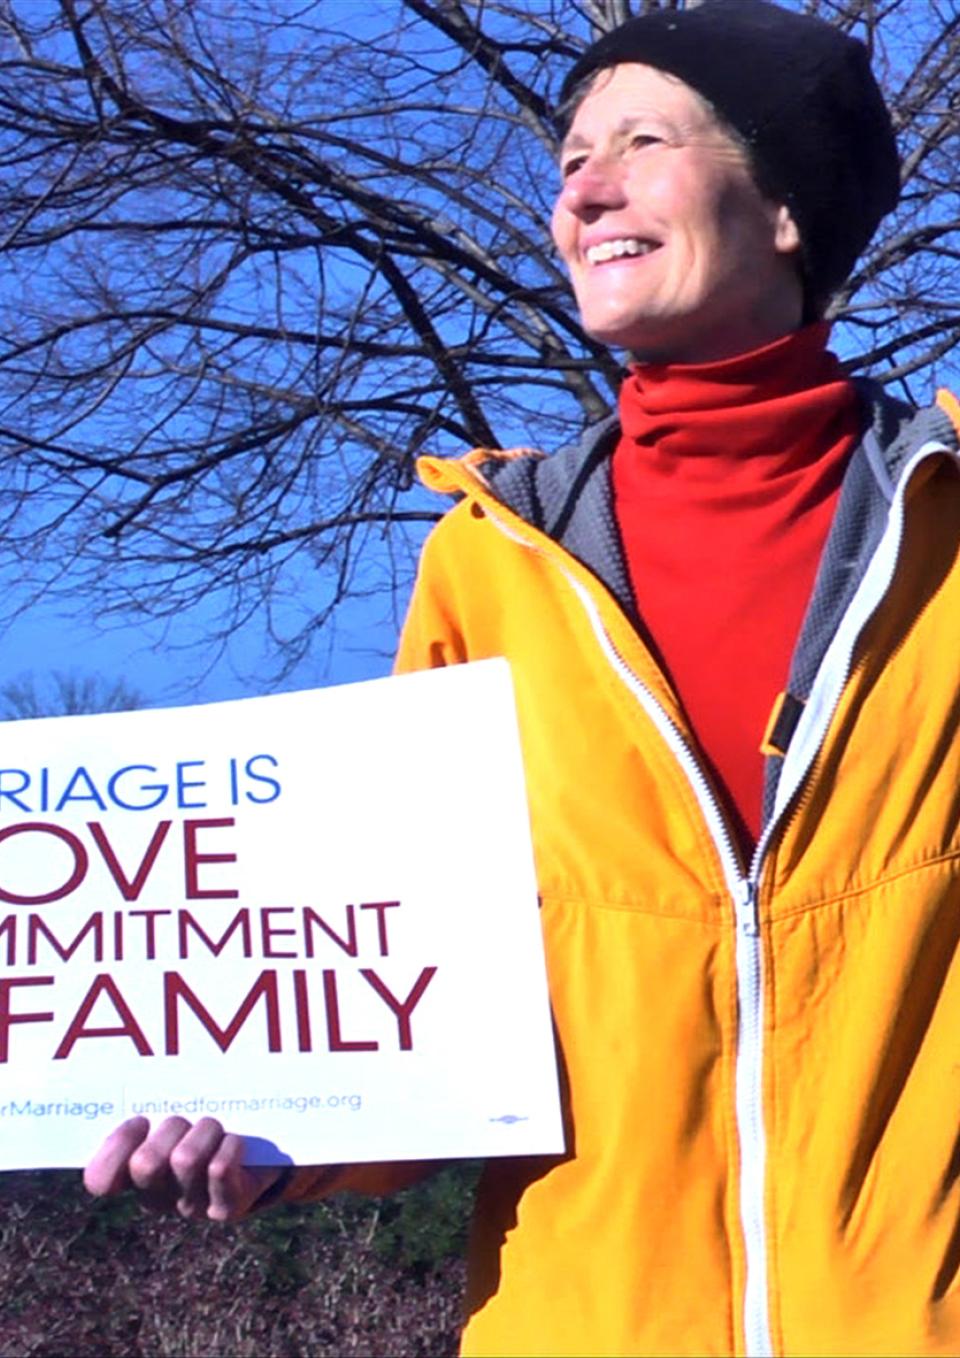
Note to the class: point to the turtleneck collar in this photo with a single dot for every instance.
(725, 480)
(761, 414)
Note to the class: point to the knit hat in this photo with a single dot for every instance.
(802, 97)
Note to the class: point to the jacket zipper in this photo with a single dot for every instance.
(743, 892)
(744, 889)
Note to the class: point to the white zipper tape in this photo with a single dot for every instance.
(835, 666)
(749, 1064)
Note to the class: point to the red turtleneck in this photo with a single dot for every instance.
(725, 481)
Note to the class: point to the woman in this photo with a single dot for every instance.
(723, 613)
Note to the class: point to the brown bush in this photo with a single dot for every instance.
(349, 1277)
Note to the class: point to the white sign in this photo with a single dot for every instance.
(312, 916)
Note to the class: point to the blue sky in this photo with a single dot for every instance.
(172, 662)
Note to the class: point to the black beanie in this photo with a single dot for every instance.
(802, 97)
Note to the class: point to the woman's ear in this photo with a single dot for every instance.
(786, 239)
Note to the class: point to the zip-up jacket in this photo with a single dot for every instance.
(760, 1062)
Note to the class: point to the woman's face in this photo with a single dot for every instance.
(673, 251)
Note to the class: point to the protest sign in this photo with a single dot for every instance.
(311, 915)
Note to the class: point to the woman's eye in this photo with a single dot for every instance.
(644, 139)
(571, 166)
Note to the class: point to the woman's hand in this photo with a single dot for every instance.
(194, 1169)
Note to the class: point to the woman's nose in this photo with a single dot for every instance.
(595, 186)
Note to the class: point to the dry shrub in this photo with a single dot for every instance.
(350, 1277)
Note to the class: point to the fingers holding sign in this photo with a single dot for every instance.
(194, 1169)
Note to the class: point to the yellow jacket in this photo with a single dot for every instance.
(760, 1063)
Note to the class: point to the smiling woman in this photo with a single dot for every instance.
(724, 613)
(673, 251)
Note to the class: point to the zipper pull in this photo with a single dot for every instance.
(748, 914)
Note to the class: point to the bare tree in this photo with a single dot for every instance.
(66, 694)
(258, 255)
